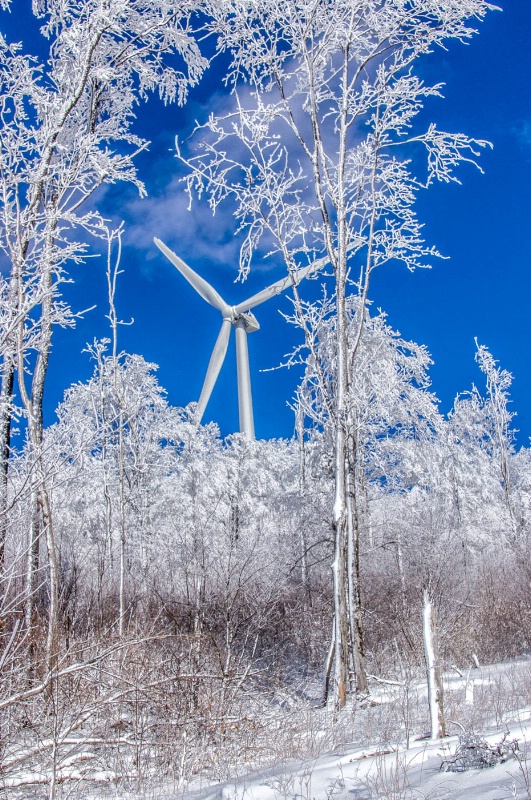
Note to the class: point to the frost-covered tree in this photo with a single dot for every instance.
(316, 157)
(115, 443)
(394, 417)
(499, 435)
(67, 129)
(481, 451)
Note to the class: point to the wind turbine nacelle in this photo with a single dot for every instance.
(251, 323)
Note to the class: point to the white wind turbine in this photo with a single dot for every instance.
(244, 322)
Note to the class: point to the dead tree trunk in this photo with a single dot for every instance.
(433, 668)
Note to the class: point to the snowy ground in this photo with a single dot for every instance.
(376, 774)
(491, 701)
(419, 770)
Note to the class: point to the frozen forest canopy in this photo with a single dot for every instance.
(169, 596)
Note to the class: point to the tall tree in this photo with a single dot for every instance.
(66, 130)
(316, 157)
(394, 416)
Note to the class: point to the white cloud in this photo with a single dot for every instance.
(192, 232)
(524, 133)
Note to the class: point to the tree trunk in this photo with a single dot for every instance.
(328, 666)
(340, 519)
(433, 669)
(354, 579)
(302, 501)
(6, 393)
(33, 405)
(123, 541)
(33, 556)
(52, 639)
(341, 655)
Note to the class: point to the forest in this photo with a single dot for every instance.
(179, 607)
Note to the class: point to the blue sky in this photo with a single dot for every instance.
(483, 291)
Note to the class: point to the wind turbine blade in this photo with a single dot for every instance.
(201, 286)
(293, 279)
(214, 366)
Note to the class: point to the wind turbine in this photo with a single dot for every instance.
(244, 322)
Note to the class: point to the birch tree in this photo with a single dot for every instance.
(319, 156)
(394, 414)
(67, 130)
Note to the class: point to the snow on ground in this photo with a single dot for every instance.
(401, 772)
(413, 770)
(375, 774)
